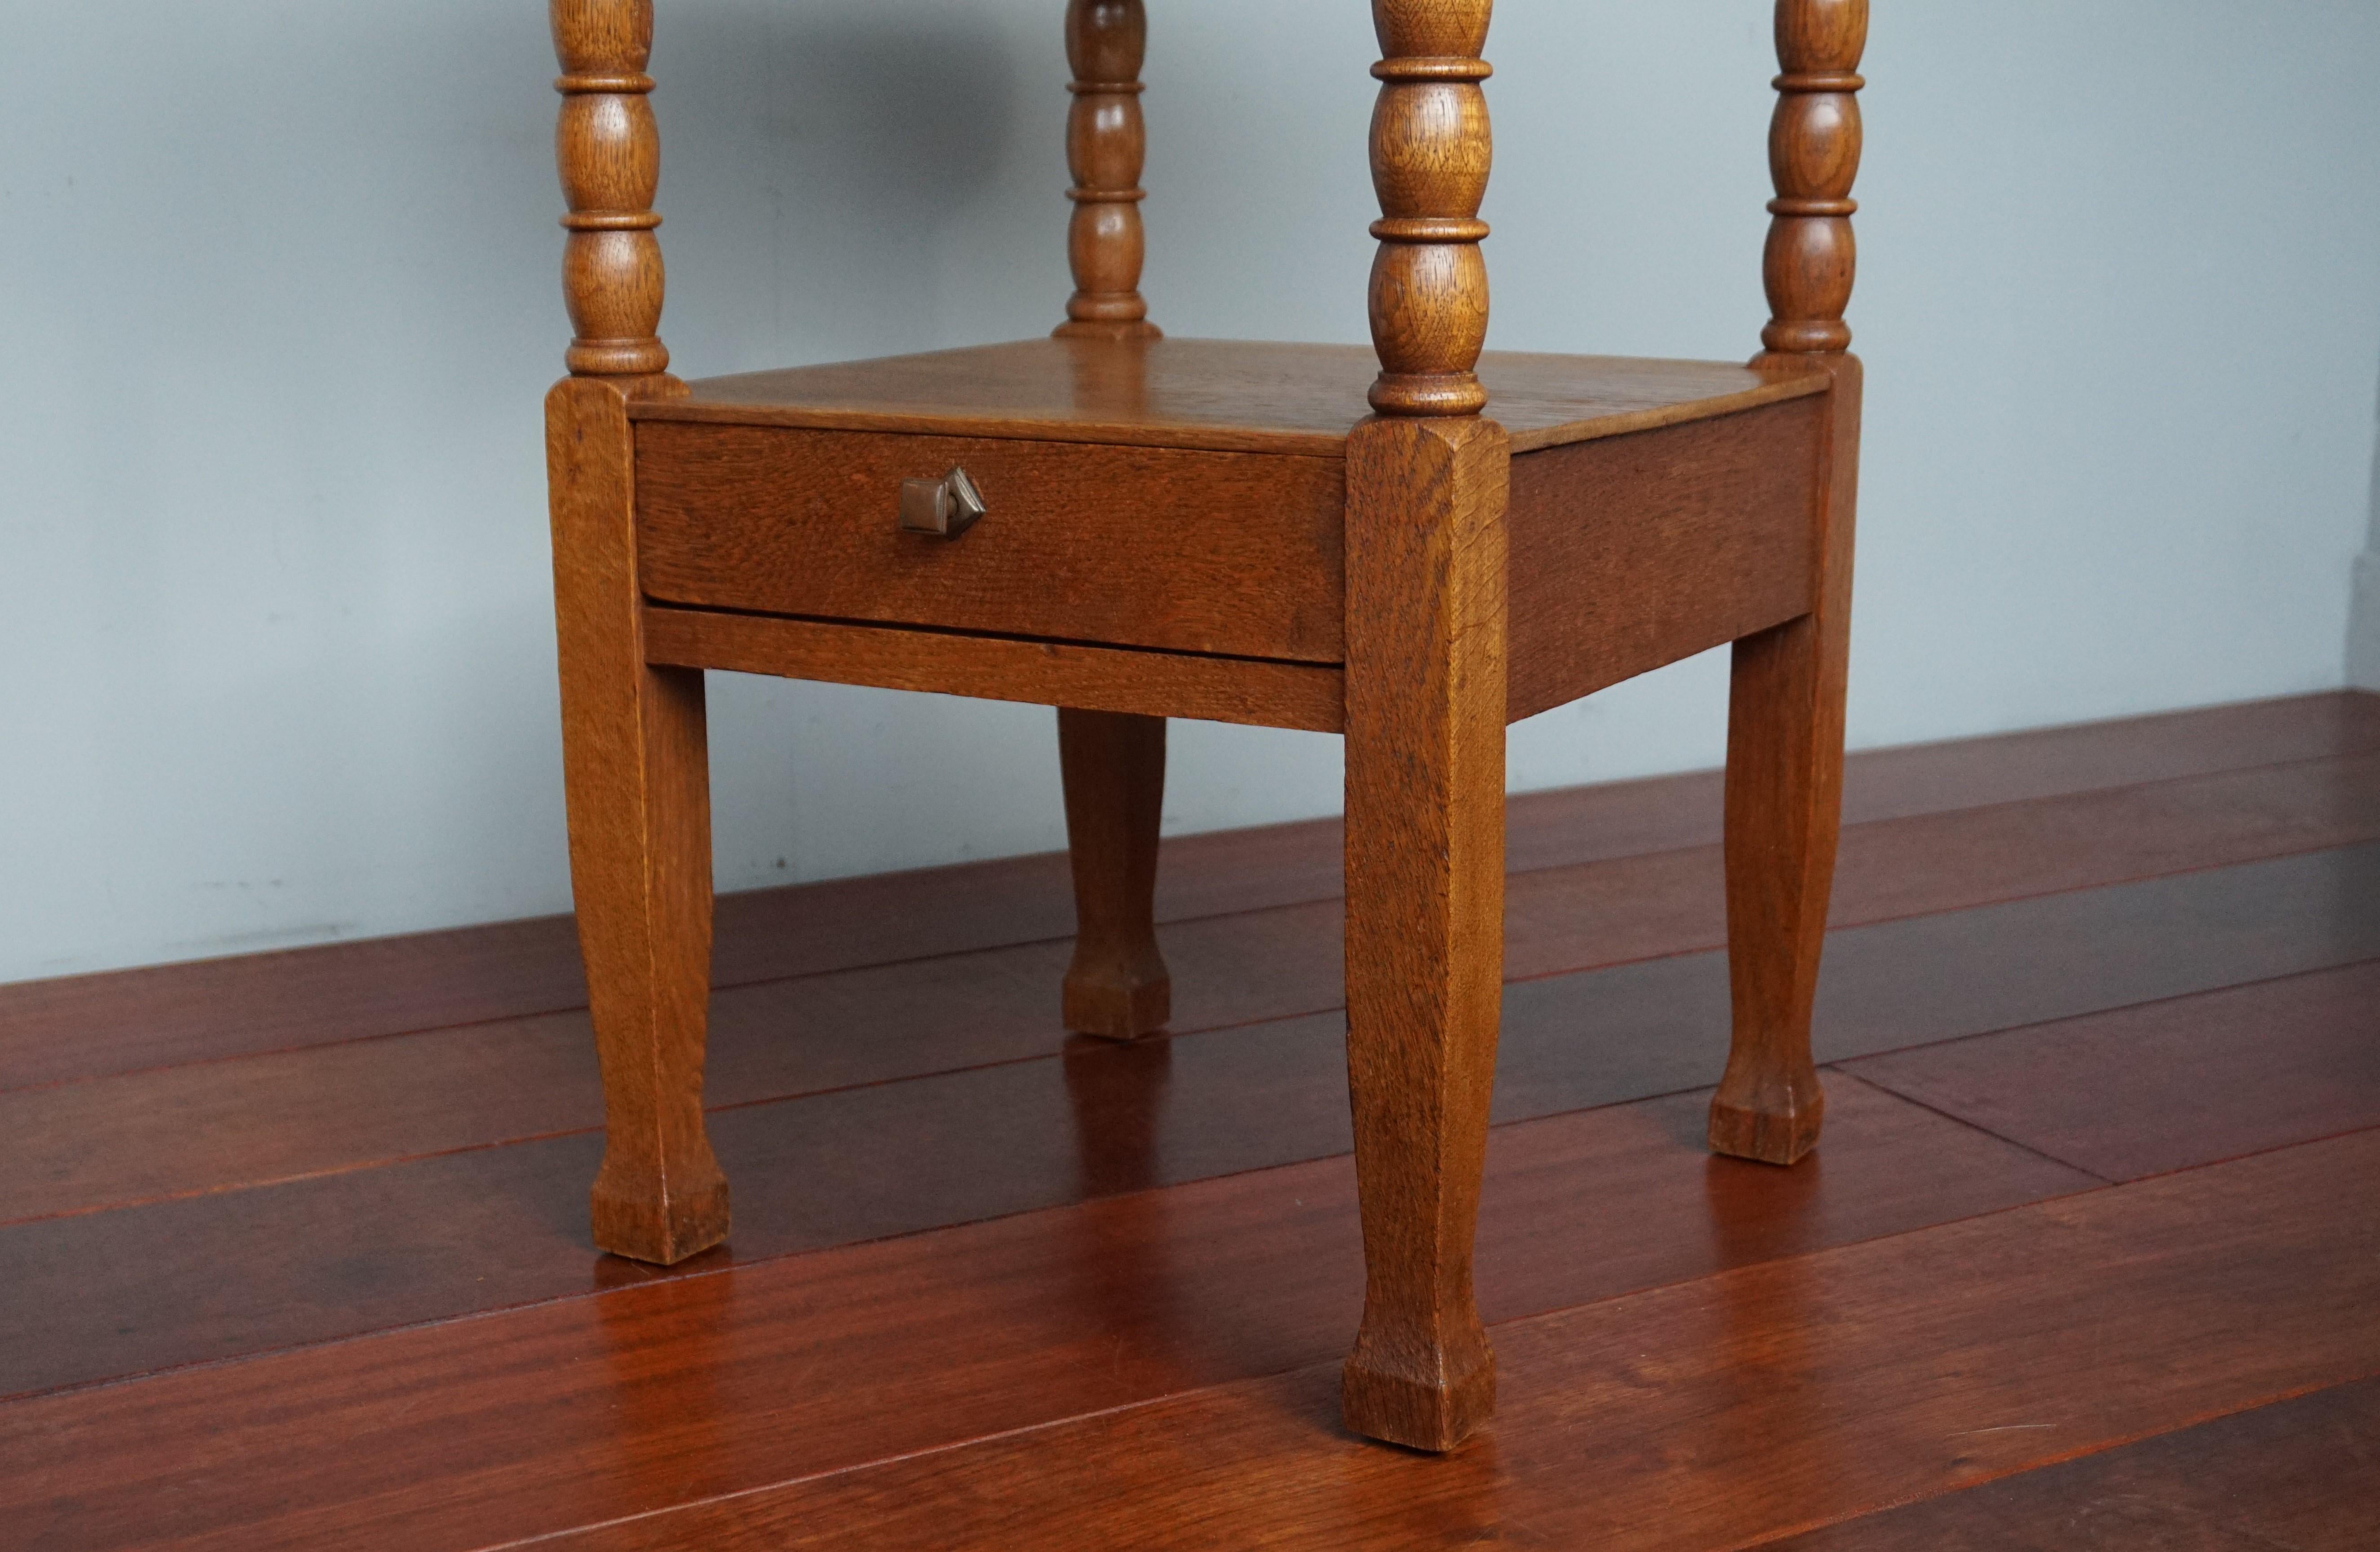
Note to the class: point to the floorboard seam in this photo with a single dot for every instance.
(1245, 1381)
(580, 1005)
(1840, 1070)
(1843, 1063)
(2086, 1452)
(1530, 978)
(2251, 1153)
(684, 1271)
(236, 1187)
(2141, 786)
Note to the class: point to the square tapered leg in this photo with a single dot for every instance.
(1426, 702)
(636, 774)
(1115, 769)
(1784, 808)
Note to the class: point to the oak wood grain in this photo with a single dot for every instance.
(1784, 815)
(1410, 594)
(1106, 142)
(1721, 1412)
(1114, 775)
(534, 1420)
(1264, 693)
(638, 778)
(1189, 551)
(1223, 395)
(608, 151)
(1787, 682)
(1632, 552)
(1096, 1087)
(1814, 154)
(1431, 151)
(1425, 913)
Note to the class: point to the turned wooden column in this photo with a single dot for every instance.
(1785, 719)
(609, 154)
(1814, 154)
(1106, 143)
(1431, 151)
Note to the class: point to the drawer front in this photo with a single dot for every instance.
(1237, 553)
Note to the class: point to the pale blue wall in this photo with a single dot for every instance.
(277, 288)
(2363, 613)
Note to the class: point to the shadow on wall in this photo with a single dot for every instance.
(821, 173)
(2363, 610)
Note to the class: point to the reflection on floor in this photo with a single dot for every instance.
(293, 1251)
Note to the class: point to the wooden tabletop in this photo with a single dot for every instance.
(1223, 394)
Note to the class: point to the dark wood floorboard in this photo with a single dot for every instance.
(117, 1293)
(1713, 1413)
(2168, 1084)
(319, 1216)
(126, 1021)
(2064, 955)
(88, 1026)
(2007, 767)
(2301, 1476)
(118, 1140)
(1905, 867)
(538, 1419)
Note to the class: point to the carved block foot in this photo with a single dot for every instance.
(648, 1222)
(1119, 1001)
(1413, 1411)
(1774, 1122)
(1114, 768)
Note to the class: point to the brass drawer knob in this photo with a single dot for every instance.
(944, 507)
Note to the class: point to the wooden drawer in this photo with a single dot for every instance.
(1237, 553)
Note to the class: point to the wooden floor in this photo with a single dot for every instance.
(293, 1247)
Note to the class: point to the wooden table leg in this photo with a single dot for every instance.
(638, 778)
(1426, 685)
(1115, 769)
(1784, 811)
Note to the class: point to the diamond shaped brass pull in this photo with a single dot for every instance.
(944, 507)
